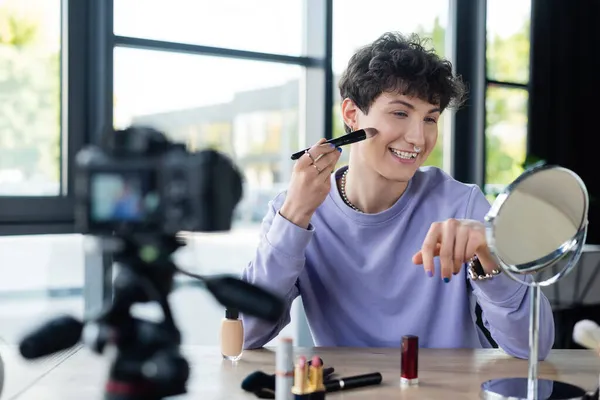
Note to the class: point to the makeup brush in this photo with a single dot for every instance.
(586, 333)
(349, 138)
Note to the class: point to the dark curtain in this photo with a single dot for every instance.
(564, 123)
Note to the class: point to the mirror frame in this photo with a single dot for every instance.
(571, 244)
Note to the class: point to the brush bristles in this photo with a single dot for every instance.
(586, 333)
(370, 132)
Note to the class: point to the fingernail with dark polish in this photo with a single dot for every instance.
(446, 280)
(332, 145)
(339, 149)
(429, 274)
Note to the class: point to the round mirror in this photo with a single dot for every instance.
(537, 227)
(539, 220)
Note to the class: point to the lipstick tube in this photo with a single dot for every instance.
(409, 361)
(300, 389)
(316, 380)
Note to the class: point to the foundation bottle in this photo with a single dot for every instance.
(232, 335)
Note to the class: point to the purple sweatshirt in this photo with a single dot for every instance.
(360, 288)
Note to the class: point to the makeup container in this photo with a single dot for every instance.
(409, 375)
(308, 380)
(284, 370)
(232, 335)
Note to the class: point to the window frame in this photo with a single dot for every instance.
(87, 66)
(468, 22)
(87, 108)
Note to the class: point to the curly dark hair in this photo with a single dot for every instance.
(395, 63)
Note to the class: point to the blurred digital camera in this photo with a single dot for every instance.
(138, 181)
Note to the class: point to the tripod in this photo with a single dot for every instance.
(148, 364)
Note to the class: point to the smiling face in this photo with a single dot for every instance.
(402, 123)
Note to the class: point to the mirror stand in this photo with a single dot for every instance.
(534, 342)
(532, 387)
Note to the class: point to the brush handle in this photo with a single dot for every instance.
(354, 382)
(352, 137)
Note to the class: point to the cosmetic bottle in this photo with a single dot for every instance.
(232, 335)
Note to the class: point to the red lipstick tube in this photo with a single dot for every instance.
(409, 360)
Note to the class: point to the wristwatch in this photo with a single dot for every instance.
(476, 271)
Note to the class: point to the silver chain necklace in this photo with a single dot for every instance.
(343, 190)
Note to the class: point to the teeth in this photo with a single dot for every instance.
(404, 154)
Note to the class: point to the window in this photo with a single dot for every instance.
(30, 43)
(507, 62)
(34, 140)
(233, 85)
(42, 276)
(426, 18)
(268, 26)
(211, 102)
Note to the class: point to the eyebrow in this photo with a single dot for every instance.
(412, 107)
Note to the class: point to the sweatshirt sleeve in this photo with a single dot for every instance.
(277, 264)
(505, 303)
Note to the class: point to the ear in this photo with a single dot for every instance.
(350, 113)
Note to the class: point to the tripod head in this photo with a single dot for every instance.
(160, 190)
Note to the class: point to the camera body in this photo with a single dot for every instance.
(138, 182)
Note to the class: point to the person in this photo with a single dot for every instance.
(382, 247)
(127, 205)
